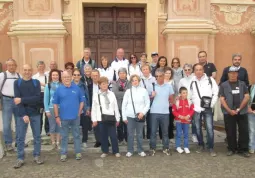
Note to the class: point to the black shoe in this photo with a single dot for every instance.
(230, 153)
(245, 154)
(97, 144)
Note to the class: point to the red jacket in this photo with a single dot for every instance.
(183, 108)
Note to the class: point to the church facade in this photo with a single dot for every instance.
(32, 30)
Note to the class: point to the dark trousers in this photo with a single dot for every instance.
(122, 130)
(148, 128)
(108, 130)
(85, 122)
(170, 127)
(46, 123)
(242, 144)
(97, 133)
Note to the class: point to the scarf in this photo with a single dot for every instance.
(106, 99)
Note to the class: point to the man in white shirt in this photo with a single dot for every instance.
(43, 79)
(119, 62)
(204, 95)
(8, 107)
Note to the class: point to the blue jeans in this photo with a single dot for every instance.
(54, 128)
(163, 121)
(181, 127)
(251, 119)
(74, 124)
(208, 118)
(9, 109)
(133, 127)
(108, 130)
(35, 123)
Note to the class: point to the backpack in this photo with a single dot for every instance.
(34, 82)
(92, 63)
(5, 78)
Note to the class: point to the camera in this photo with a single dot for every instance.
(121, 88)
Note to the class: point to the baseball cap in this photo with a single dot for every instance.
(233, 69)
(154, 53)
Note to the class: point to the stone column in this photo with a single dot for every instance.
(188, 29)
(37, 32)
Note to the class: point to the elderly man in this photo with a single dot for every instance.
(86, 60)
(53, 65)
(159, 112)
(42, 77)
(242, 72)
(204, 95)
(234, 99)
(8, 108)
(27, 97)
(119, 62)
(68, 104)
(209, 68)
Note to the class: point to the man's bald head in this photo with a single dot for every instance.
(27, 71)
(120, 53)
(66, 78)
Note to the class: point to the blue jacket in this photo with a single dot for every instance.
(48, 95)
(85, 92)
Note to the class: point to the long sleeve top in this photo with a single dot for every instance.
(141, 102)
(113, 109)
(29, 92)
(48, 95)
(184, 108)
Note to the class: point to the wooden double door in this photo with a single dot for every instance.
(107, 29)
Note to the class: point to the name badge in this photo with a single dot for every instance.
(234, 92)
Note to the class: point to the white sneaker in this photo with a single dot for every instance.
(129, 154)
(103, 155)
(194, 139)
(179, 150)
(186, 150)
(117, 155)
(172, 140)
(84, 145)
(142, 154)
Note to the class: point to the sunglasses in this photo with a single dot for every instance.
(76, 75)
(187, 70)
(133, 57)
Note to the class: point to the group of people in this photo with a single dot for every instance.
(124, 99)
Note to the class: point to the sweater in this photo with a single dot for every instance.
(30, 97)
(141, 102)
(184, 109)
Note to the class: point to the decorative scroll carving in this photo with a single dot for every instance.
(100, 36)
(237, 18)
(38, 7)
(6, 16)
(123, 28)
(186, 7)
(105, 27)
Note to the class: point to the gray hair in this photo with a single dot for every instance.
(12, 60)
(122, 69)
(40, 63)
(160, 71)
(236, 55)
(187, 65)
(87, 66)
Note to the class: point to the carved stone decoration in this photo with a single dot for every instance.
(105, 27)
(38, 7)
(237, 18)
(6, 16)
(67, 2)
(123, 28)
(162, 7)
(186, 7)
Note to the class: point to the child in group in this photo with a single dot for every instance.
(183, 110)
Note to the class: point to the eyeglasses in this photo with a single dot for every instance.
(133, 57)
(187, 70)
(76, 75)
(168, 73)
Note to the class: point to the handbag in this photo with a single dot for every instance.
(205, 100)
(136, 115)
(105, 117)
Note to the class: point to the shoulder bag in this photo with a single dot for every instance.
(205, 100)
(136, 114)
(105, 117)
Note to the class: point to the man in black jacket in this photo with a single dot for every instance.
(242, 72)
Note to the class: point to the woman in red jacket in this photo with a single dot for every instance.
(183, 110)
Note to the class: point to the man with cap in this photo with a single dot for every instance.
(154, 56)
(242, 72)
(234, 99)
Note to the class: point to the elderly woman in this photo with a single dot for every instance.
(135, 105)
(178, 72)
(185, 82)
(84, 118)
(49, 90)
(105, 112)
(118, 88)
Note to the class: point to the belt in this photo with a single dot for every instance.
(8, 96)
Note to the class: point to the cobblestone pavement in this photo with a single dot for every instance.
(193, 165)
